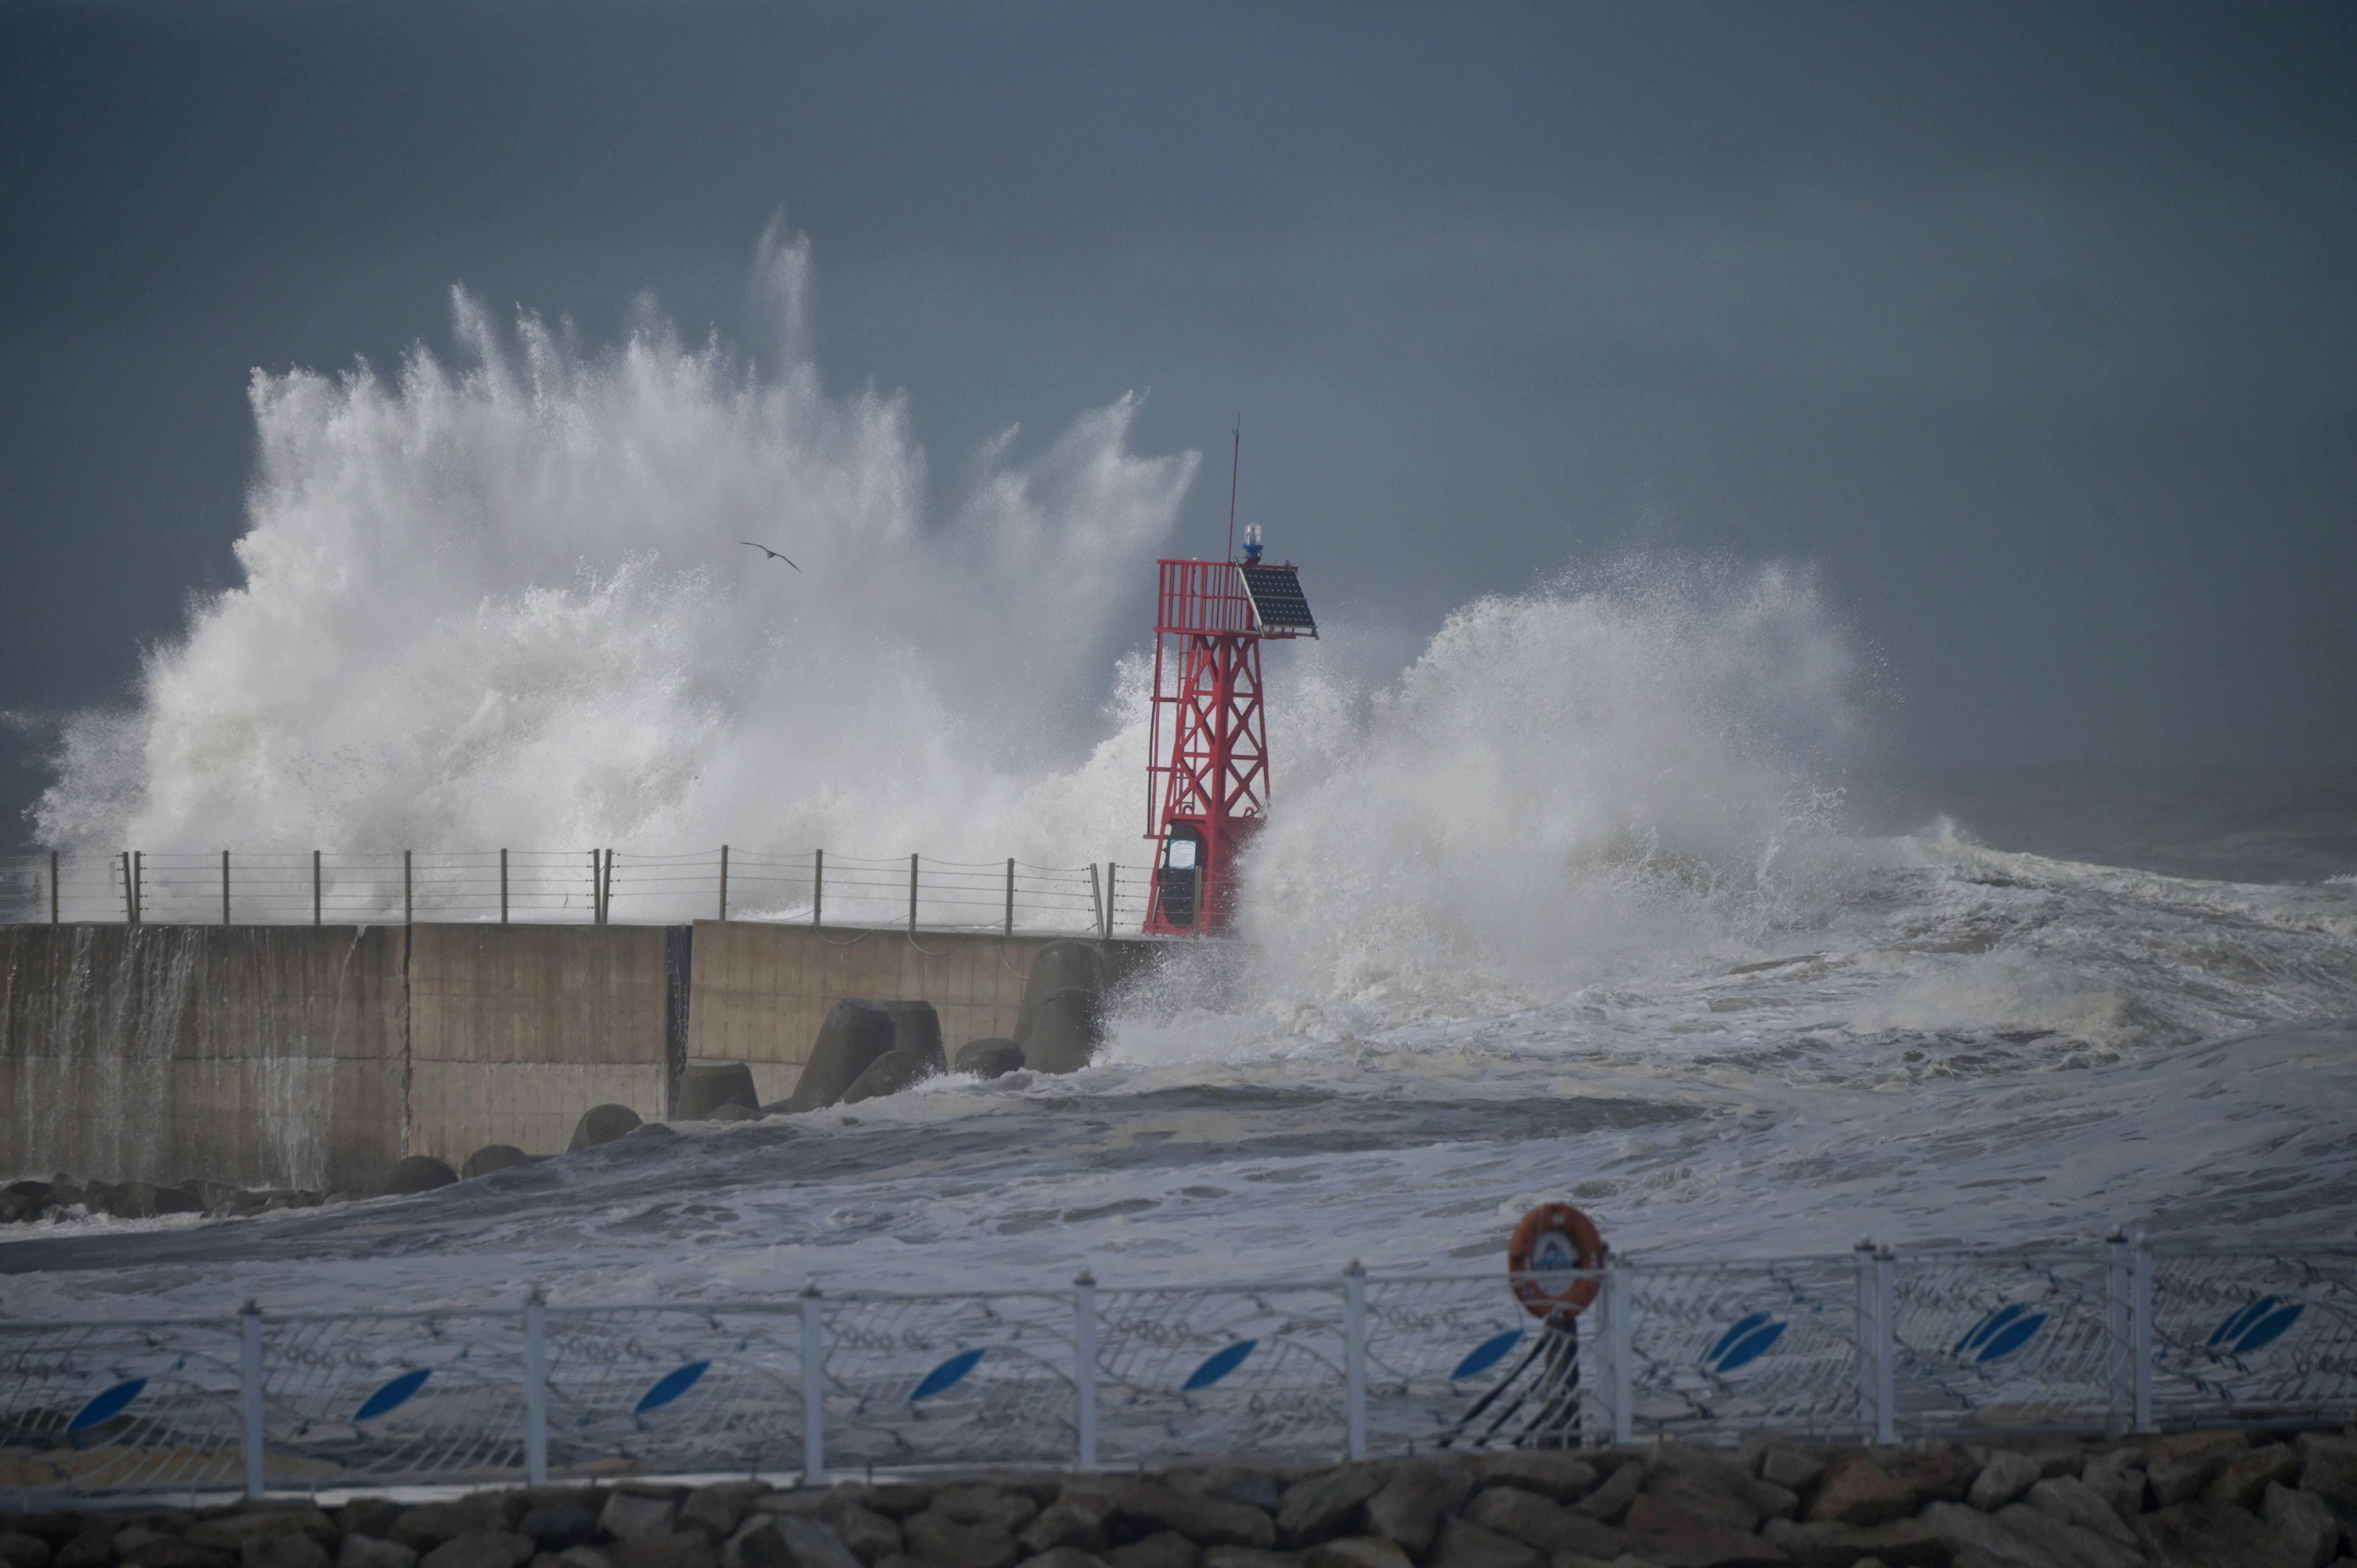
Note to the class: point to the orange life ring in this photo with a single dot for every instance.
(1552, 1240)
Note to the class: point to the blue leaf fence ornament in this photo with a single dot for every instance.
(105, 1406)
(1486, 1354)
(2000, 1334)
(1751, 1338)
(671, 1385)
(2256, 1326)
(393, 1395)
(946, 1375)
(1219, 1365)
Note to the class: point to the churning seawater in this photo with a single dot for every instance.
(1589, 900)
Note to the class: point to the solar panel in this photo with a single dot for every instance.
(1277, 599)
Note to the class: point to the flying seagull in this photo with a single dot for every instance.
(767, 551)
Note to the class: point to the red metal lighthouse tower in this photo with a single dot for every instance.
(1212, 783)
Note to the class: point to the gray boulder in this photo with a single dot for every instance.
(2304, 1522)
(418, 1173)
(1066, 1031)
(143, 1200)
(917, 1032)
(602, 1124)
(992, 1058)
(366, 1552)
(492, 1157)
(2213, 1534)
(25, 1200)
(856, 1033)
(706, 1086)
(889, 1074)
(2006, 1476)
(1412, 1504)
(1058, 966)
(636, 1516)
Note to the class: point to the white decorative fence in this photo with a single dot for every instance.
(1878, 1345)
(589, 887)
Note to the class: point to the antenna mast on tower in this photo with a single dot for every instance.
(1235, 465)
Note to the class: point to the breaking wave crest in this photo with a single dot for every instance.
(1574, 783)
(499, 597)
(502, 598)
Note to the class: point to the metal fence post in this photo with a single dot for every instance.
(408, 905)
(316, 900)
(1113, 904)
(224, 887)
(1867, 1340)
(249, 1389)
(1010, 895)
(1096, 898)
(1621, 1324)
(53, 887)
(1084, 1365)
(1354, 1359)
(2140, 1344)
(597, 887)
(1886, 1347)
(724, 882)
(130, 899)
(1606, 1376)
(2117, 1318)
(813, 1389)
(503, 887)
(536, 1387)
(912, 892)
(818, 883)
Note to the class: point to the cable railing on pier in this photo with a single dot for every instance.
(1875, 1345)
(593, 887)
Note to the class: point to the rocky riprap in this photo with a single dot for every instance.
(2214, 1499)
(65, 1198)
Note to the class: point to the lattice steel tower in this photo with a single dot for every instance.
(1208, 793)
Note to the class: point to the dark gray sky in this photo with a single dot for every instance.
(2035, 327)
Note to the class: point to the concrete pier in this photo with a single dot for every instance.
(317, 1056)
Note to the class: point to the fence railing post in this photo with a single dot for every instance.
(1621, 1327)
(316, 897)
(54, 902)
(1607, 1378)
(813, 1389)
(818, 883)
(1868, 1342)
(2118, 1318)
(597, 887)
(1886, 1347)
(912, 892)
(2140, 1337)
(503, 887)
(1354, 1359)
(130, 893)
(249, 1389)
(224, 887)
(1111, 904)
(1010, 895)
(724, 882)
(408, 907)
(536, 1387)
(1084, 1365)
(1096, 899)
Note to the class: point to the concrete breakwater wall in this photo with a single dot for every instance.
(317, 1057)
